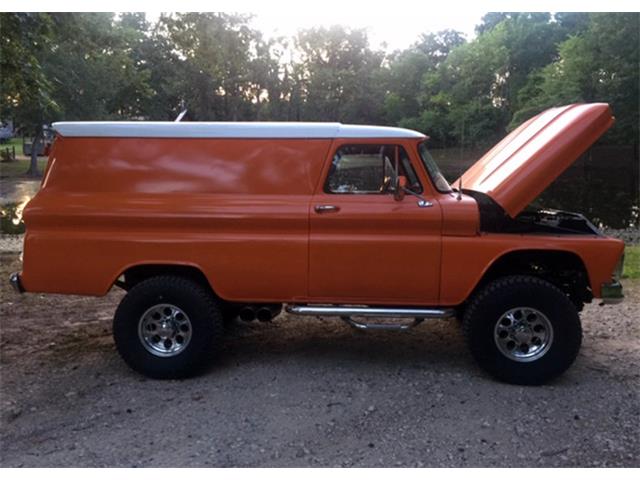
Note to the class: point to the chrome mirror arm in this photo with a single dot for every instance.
(422, 202)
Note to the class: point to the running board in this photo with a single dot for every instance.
(345, 313)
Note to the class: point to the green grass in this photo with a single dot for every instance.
(17, 144)
(19, 168)
(14, 142)
(21, 165)
(631, 261)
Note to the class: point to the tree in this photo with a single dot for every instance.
(26, 91)
(470, 96)
(492, 19)
(271, 79)
(153, 55)
(602, 63)
(407, 70)
(342, 78)
(74, 66)
(216, 53)
(466, 93)
(438, 46)
(91, 68)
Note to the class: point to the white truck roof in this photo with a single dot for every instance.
(229, 130)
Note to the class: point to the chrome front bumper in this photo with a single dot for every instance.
(612, 293)
(14, 280)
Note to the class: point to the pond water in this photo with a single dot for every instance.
(603, 185)
(14, 196)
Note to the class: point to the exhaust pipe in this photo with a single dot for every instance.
(247, 314)
(264, 314)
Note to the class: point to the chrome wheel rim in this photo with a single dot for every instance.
(523, 334)
(164, 330)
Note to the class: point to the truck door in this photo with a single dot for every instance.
(365, 246)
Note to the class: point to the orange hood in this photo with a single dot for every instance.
(525, 162)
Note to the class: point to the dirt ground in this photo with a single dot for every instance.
(301, 392)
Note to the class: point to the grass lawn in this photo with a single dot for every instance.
(14, 142)
(631, 261)
(19, 168)
(21, 165)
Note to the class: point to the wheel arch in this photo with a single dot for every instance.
(135, 273)
(564, 268)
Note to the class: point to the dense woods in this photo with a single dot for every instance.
(97, 66)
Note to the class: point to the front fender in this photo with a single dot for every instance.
(465, 260)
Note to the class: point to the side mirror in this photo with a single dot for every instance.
(399, 188)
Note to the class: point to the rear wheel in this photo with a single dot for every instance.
(523, 330)
(167, 327)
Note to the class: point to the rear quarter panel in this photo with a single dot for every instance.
(235, 208)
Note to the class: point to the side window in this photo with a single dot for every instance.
(369, 169)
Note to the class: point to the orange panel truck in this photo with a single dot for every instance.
(203, 222)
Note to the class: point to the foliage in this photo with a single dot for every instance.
(94, 66)
(600, 64)
(25, 85)
(92, 72)
(407, 70)
(341, 76)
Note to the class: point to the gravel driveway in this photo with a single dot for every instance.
(304, 392)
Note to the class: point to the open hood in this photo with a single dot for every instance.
(525, 162)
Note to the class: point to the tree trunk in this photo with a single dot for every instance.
(33, 166)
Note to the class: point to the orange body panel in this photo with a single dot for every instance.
(466, 259)
(526, 161)
(375, 249)
(243, 211)
(108, 204)
(460, 217)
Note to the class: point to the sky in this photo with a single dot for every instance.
(396, 23)
(390, 30)
(395, 28)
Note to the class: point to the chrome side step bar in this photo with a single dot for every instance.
(342, 311)
(346, 312)
(400, 327)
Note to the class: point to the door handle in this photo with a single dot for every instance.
(424, 204)
(326, 208)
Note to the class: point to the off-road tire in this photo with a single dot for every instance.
(498, 297)
(199, 305)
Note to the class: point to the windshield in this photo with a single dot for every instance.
(432, 168)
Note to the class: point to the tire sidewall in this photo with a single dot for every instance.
(532, 293)
(187, 296)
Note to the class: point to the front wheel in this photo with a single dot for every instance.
(167, 326)
(523, 330)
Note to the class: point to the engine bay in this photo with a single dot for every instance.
(494, 219)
